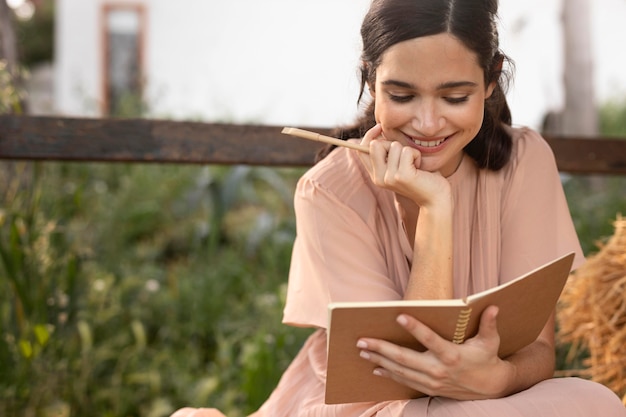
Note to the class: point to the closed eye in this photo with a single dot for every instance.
(400, 98)
(456, 100)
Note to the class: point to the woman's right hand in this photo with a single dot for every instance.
(397, 168)
(198, 412)
(428, 208)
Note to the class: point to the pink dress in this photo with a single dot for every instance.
(351, 246)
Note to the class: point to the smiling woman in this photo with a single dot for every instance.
(449, 200)
(430, 94)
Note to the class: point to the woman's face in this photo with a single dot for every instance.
(430, 94)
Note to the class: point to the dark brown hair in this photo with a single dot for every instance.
(473, 22)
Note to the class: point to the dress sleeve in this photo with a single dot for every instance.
(338, 254)
(536, 223)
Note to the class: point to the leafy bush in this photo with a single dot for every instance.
(613, 118)
(133, 290)
(11, 94)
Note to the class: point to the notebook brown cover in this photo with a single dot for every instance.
(525, 304)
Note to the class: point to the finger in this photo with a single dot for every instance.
(393, 162)
(411, 158)
(374, 133)
(488, 329)
(423, 334)
(391, 358)
(405, 366)
(370, 135)
(378, 159)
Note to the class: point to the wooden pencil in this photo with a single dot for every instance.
(305, 134)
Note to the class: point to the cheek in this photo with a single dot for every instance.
(477, 116)
(470, 118)
(389, 115)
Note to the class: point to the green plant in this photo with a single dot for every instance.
(36, 35)
(613, 118)
(164, 287)
(39, 274)
(11, 94)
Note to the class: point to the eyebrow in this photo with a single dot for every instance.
(442, 86)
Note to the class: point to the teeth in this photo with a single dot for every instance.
(428, 144)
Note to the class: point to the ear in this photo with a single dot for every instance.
(497, 70)
(371, 89)
(492, 86)
(367, 79)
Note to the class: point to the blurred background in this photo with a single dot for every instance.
(132, 290)
(283, 62)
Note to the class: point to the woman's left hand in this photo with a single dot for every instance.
(468, 371)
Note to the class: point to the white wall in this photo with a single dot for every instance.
(291, 62)
(77, 57)
(272, 61)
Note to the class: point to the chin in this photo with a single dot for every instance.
(430, 168)
(430, 165)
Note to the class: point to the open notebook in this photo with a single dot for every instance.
(525, 305)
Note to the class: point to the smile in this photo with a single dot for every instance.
(431, 143)
(428, 143)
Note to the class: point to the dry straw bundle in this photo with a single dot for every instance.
(592, 312)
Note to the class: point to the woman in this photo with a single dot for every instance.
(451, 200)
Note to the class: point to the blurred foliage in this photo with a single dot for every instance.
(11, 94)
(131, 290)
(613, 118)
(35, 36)
(595, 201)
(130, 105)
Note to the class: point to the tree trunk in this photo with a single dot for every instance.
(580, 116)
(8, 45)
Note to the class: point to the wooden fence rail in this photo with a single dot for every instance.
(165, 141)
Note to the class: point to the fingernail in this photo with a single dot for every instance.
(364, 354)
(361, 344)
(402, 320)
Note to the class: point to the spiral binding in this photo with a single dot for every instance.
(461, 325)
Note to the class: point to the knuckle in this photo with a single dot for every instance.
(402, 373)
(428, 338)
(438, 374)
(452, 358)
(400, 357)
(396, 145)
(435, 386)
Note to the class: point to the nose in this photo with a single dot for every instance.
(427, 120)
